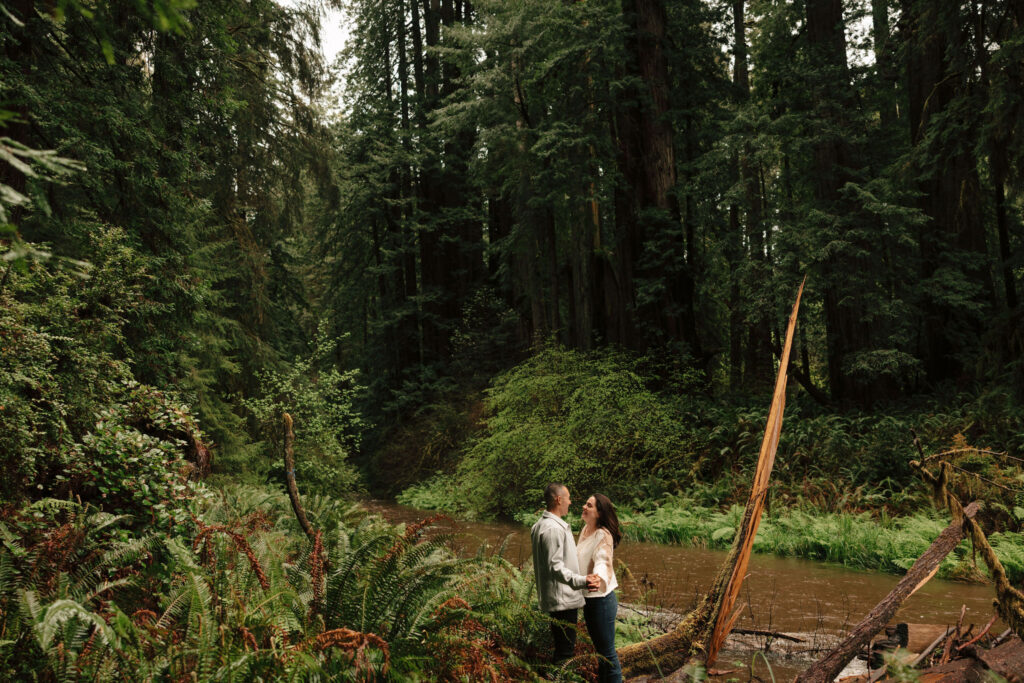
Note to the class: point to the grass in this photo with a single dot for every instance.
(860, 541)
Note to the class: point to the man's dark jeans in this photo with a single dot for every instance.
(563, 630)
(599, 614)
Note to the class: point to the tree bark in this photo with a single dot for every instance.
(650, 171)
(884, 68)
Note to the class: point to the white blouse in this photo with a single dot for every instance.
(595, 553)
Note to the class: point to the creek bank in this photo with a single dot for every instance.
(782, 594)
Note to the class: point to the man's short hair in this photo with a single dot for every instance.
(551, 494)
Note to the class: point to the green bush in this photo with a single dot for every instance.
(132, 461)
(596, 422)
(73, 418)
(440, 492)
(327, 427)
(583, 419)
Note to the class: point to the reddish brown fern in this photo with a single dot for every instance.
(355, 643)
(241, 545)
(316, 571)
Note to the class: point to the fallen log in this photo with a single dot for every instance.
(767, 634)
(825, 670)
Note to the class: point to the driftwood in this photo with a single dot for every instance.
(289, 468)
(703, 631)
(825, 670)
(767, 634)
(928, 650)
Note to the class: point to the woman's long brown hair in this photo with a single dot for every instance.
(607, 518)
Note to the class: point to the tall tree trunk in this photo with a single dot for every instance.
(431, 246)
(756, 357)
(843, 318)
(954, 236)
(733, 241)
(884, 68)
(651, 172)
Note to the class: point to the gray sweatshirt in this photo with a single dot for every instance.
(555, 565)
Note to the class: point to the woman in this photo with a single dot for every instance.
(595, 550)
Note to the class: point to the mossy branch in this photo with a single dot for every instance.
(289, 470)
(1009, 603)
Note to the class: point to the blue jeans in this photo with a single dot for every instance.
(599, 613)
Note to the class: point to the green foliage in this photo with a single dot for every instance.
(596, 422)
(132, 461)
(440, 492)
(242, 595)
(319, 397)
(204, 188)
(585, 420)
(74, 418)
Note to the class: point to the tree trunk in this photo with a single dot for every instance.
(650, 171)
(954, 237)
(884, 68)
(733, 241)
(845, 331)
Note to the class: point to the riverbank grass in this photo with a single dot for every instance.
(858, 541)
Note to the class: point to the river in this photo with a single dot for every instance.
(790, 595)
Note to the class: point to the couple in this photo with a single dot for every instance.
(562, 590)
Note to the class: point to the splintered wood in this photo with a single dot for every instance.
(703, 631)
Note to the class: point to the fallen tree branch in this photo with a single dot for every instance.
(770, 634)
(1009, 601)
(928, 650)
(978, 637)
(825, 670)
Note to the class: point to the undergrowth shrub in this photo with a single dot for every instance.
(319, 397)
(67, 390)
(585, 420)
(242, 595)
(638, 429)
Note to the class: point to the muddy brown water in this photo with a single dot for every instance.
(779, 594)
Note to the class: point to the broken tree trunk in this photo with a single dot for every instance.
(289, 469)
(825, 670)
(703, 630)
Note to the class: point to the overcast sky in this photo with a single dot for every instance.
(333, 33)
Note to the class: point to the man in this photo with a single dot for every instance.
(559, 583)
